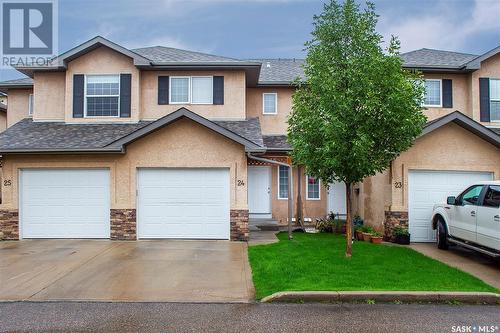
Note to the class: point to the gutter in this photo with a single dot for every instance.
(290, 187)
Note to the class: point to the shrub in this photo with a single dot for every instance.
(400, 231)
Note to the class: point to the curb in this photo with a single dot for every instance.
(383, 296)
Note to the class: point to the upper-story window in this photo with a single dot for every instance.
(102, 96)
(270, 103)
(191, 89)
(30, 105)
(494, 99)
(432, 93)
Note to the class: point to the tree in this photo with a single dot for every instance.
(357, 108)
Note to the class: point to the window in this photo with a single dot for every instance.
(30, 105)
(202, 90)
(471, 195)
(179, 90)
(312, 188)
(432, 93)
(102, 95)
(270, 103)
(191, 90)
(495, 99)
(283, 182)
(492, 197)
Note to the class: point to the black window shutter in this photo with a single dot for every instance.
(218, 90)
(162, 90)
(125, 94)
(484, 98)
(447, 93)
(78, 95)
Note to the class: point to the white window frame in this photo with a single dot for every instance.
(190, 89)
(307, 189)
(30, 105)
(85, 96)
(275, 104)
(211, 89)
(493, 99)
(440, 94)
(288, 189)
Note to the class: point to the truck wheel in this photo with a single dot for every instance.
(442, 236)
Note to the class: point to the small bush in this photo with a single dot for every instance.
(400, 231)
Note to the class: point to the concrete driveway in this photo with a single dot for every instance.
(161, 270)
(484, 268)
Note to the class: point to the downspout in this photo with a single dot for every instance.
(290, 187)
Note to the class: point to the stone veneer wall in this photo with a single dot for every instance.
(239, 225)
(123, 224)
(9, 224)
(393, 219)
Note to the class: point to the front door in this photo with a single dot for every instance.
(337, 198)
(259, 191)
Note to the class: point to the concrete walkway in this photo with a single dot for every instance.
(485, 268)
(103, 270)
(260, 237)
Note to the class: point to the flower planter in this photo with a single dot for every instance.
(376, 239)
(402, 239)
(359, 235)
(367, 236)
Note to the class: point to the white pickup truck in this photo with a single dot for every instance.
(472, 219)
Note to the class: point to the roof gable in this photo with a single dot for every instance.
(476, 63)
(430, 58)
(466, 123)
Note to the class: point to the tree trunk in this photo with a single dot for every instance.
(348, 221)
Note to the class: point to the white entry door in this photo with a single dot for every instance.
(64, 203)
(259, 191)
(427, 188)
(183, 203)
(337, 198)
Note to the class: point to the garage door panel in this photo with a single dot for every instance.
(427, 188)
(65, 203)
(183, 203)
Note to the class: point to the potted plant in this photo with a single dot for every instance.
(324, 225)
(359, 232)
(339, 226)
(401, 235)
(376, 237)
(367, 233)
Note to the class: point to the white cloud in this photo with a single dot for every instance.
(446, 26)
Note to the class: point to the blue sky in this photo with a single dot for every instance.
(269, 28)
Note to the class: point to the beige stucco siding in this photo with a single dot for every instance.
(101, 61)
(460, 89)
(50, 98)
(234, 96)
(489, 68)
(448, 148)
(183, 144)
(3, 121)
(18, 106)
(270, 124)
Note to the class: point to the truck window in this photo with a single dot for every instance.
(492, 197)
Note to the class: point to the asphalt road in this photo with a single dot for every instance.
(183, 317)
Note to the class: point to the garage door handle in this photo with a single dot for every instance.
(496, 218)
(473, 213)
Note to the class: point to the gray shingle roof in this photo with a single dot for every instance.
(248, 129)
(429, 58)
(496, 130)
(275, 71)
(17, 82)
(162, 54)
(28, 135)
(276, 142)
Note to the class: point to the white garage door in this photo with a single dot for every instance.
(426, 188)
(64, 203)
(183, 203)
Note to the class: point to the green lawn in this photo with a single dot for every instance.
(317, 262)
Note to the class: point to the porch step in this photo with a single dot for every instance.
(263, 224)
